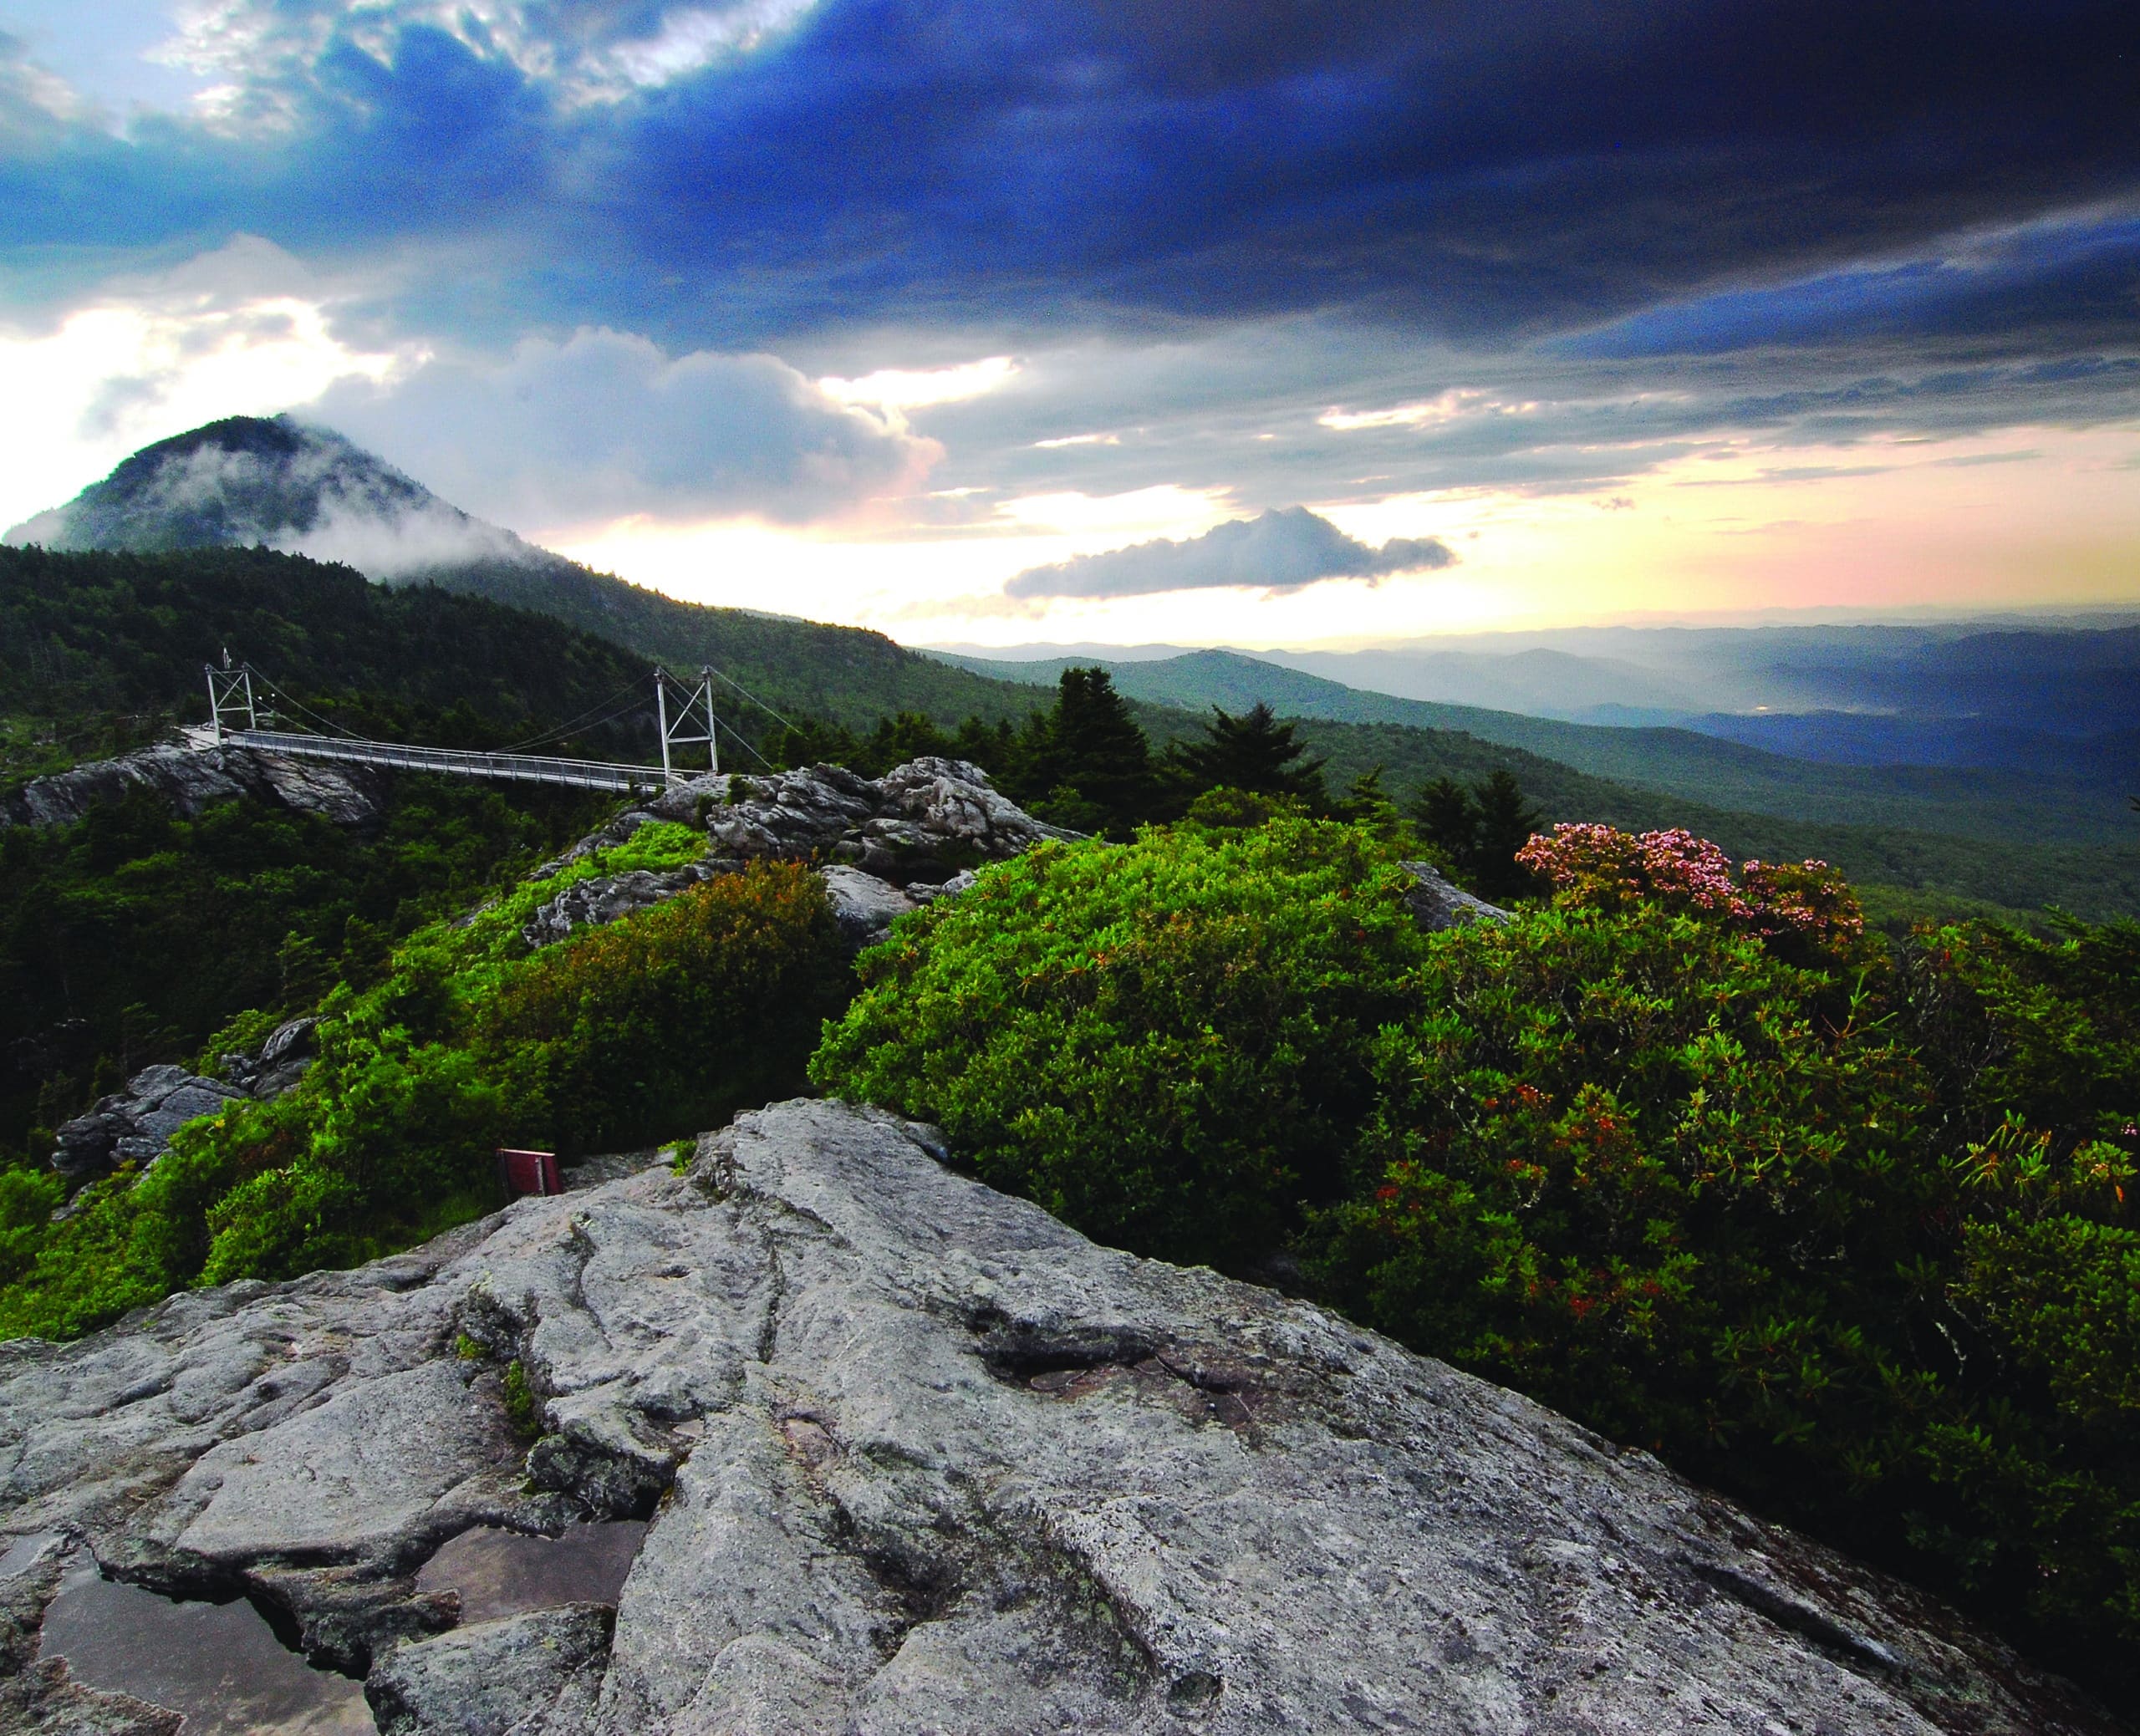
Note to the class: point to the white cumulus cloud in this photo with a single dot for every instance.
(1283, 550)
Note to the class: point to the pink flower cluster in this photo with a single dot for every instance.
(1595, 864)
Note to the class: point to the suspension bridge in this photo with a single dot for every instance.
(236, 691)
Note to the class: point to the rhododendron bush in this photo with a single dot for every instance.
(1603, 867)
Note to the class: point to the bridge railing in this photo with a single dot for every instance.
(524, 768)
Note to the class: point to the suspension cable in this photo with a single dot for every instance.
(620, 702)
(624, 708)
(737, 735)
(327, 723)
(573, 723)
(749, 695)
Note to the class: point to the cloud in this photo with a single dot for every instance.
(1326, 253)
(734, 172)
(606, 425)
(1284, 550)
(244, 330)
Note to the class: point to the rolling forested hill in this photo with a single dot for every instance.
(1904, 872)
(451, 644)
(100, 650)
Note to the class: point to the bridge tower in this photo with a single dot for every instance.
(696, 714)
(229, 693)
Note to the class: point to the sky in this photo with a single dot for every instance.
(1267, 323)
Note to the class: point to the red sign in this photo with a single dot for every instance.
(529, 1172)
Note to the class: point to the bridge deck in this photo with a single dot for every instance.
(518, 767)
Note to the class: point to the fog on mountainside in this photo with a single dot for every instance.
(247, 480)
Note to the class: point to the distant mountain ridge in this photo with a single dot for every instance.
(277, 482)
(247, 481)
(2075, 808)
(2060, 694)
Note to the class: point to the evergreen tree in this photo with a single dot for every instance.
(1086, 764)
(1365, 803)
(1449, 818)
(1253, 753)
(992, 746)
(1506, 823)
(1480, 829)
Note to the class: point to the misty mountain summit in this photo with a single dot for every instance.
(298, 489)
(250, 480)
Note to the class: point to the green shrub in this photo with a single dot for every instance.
(28, 1198)
(665, 1021)
(1636, 1165)
(1167, 1043)
(631, 1031)
(523, 1409)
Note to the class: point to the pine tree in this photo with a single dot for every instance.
(1087, 761)
(1366, 803)
(1480, 829)
(1253, 753)
(1450, 819)
(1506, 823)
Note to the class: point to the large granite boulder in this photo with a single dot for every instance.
(135, 1125)
(864, 906)
(191, 777)
(923, 820)
(915, 1458)
(608, 897)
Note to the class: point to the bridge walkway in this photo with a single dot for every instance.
(461, 762)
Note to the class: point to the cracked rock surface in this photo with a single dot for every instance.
(920, 822)
(914, 1457)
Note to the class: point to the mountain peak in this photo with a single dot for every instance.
(247, 480)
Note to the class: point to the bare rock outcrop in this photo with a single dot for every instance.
(135, 1125)
(885, 846)
(914, 1457)
(1437, 903)
(609, 897)
(191, 777)
(923, 820)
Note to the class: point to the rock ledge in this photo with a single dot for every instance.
(916, 1458)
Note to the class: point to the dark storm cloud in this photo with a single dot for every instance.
(1284, 550)
(1478, 170)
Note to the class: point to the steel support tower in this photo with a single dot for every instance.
(230, 695)
(696, 714)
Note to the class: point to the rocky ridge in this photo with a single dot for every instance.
(915, 1456)
(885, 846)
(191, 775)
